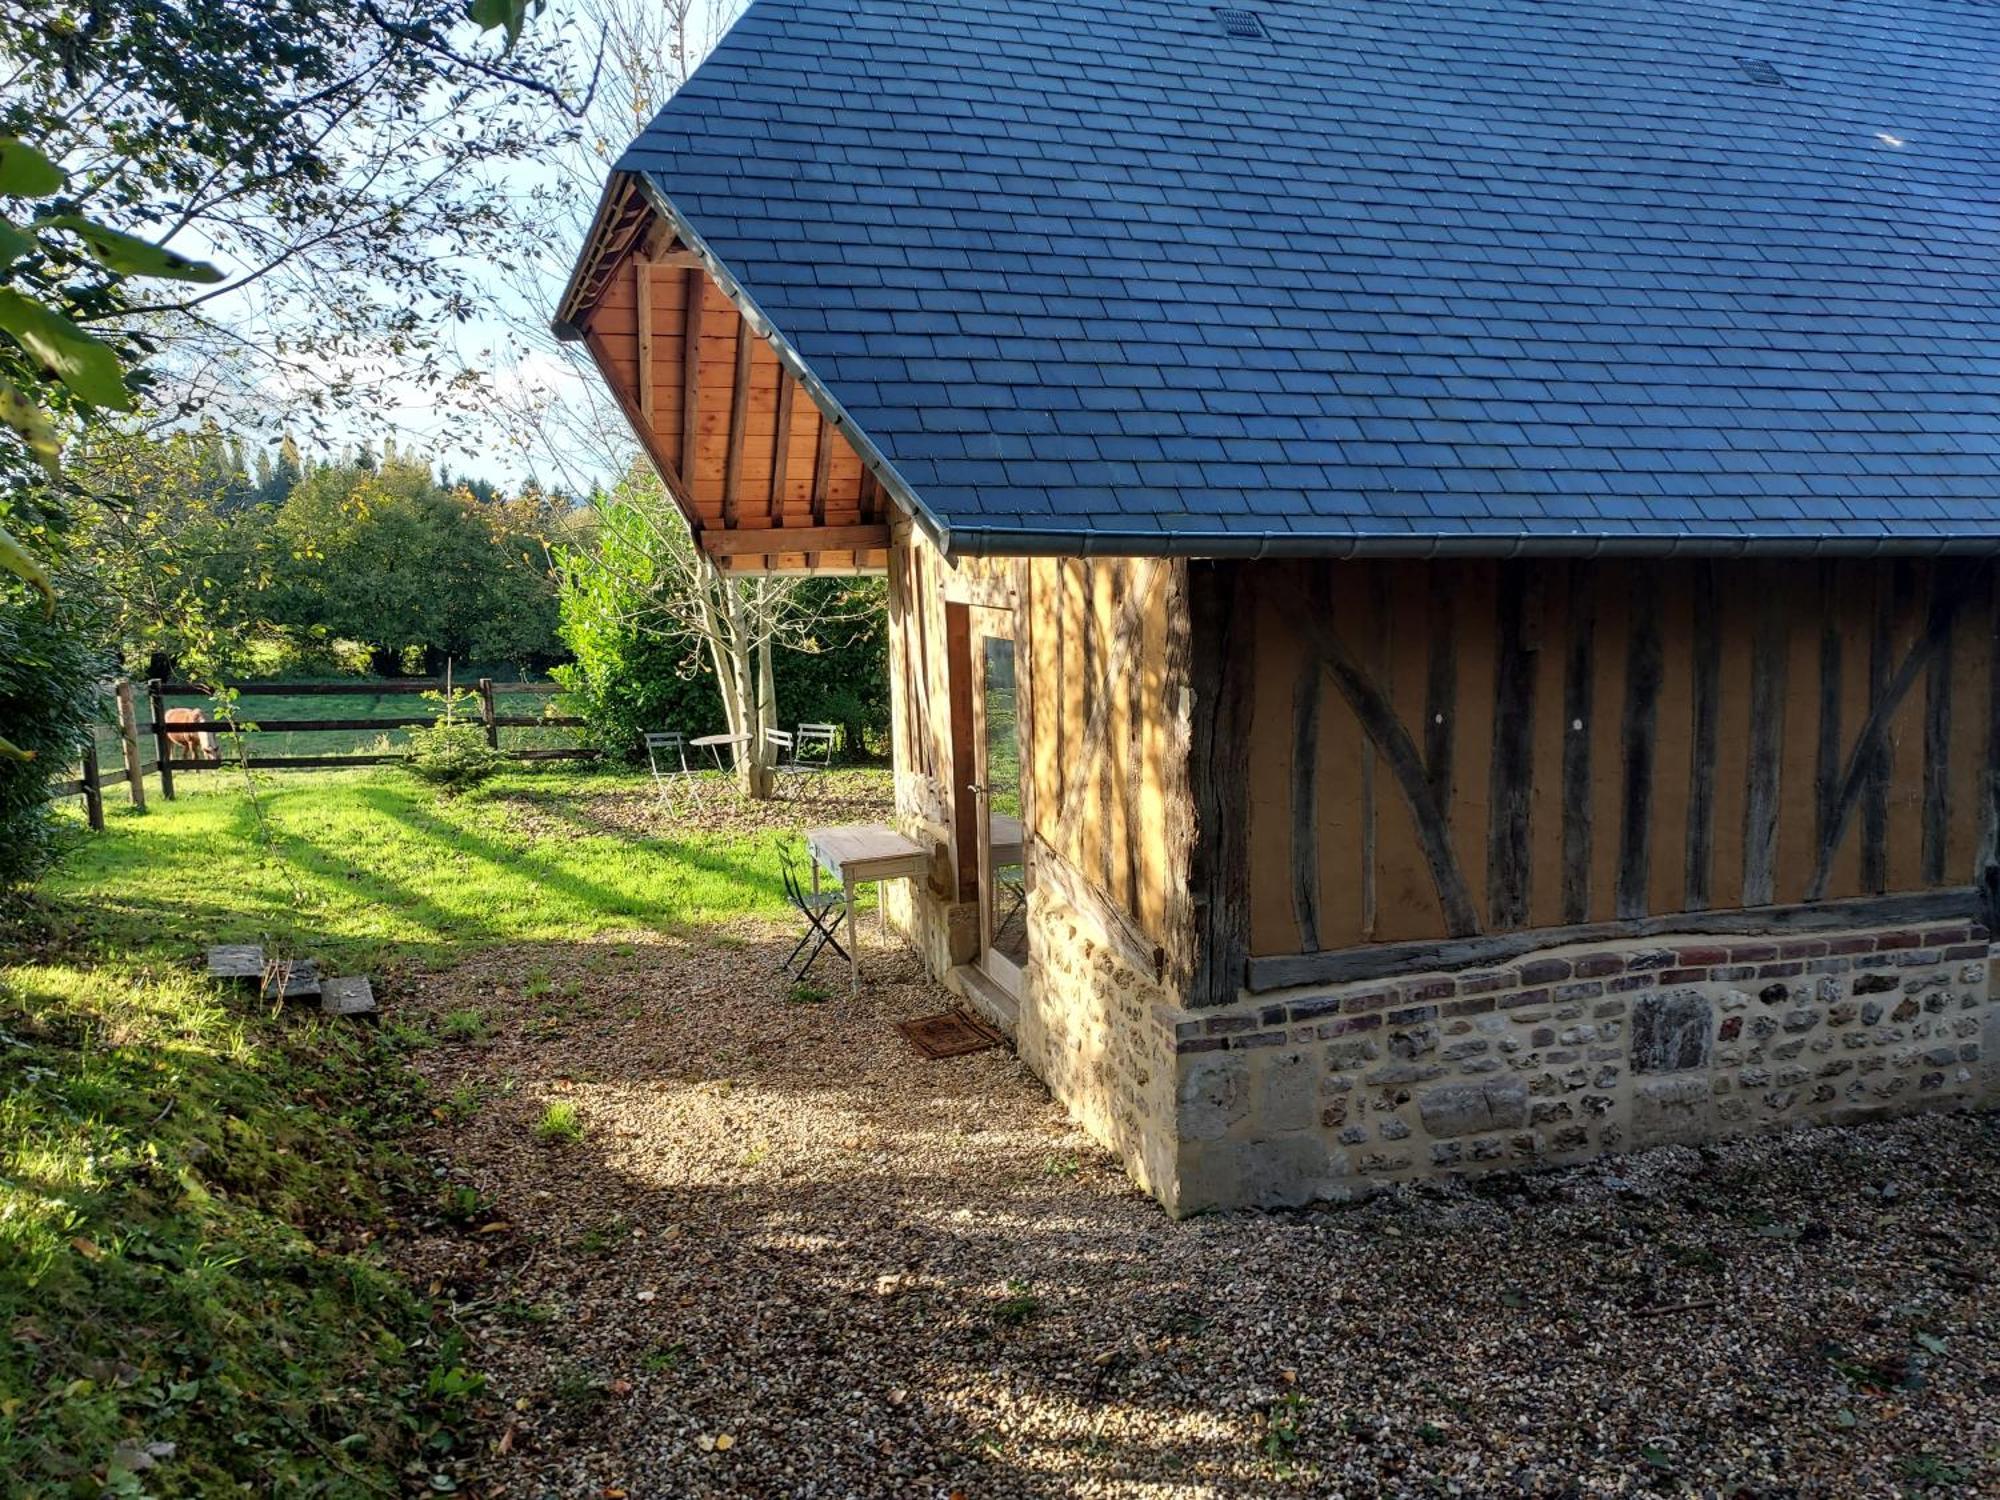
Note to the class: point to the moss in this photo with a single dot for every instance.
(188, 1191)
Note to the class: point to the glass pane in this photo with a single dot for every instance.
(1009, 903)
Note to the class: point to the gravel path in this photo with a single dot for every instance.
(789, 1257)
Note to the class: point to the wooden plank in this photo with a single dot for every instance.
(739, 417)
(750, 540)
(1735, 624)
(1673, 760)
(1365, 697)
(1875, 781)
(781, 446)
(1551, 735)
(1798, 791)
(1289, 971)
(1828, 742)
(1579, 687)
(1512, 773)
(1987, 858)
(1441, 683)
(1918, 580)
(1305, 801)
(822, 467)
(1382, 641)
(1972, 644)
(279, 726)
(1769, 652)
(642, 271)
(1179, 929)
(1862, 770)
(1222, 638)
(1937, 759)
(1638, 736)
(961, 755)
(697, 296)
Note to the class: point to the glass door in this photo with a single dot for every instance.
(1003, 892)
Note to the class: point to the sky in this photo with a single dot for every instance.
(482, 433)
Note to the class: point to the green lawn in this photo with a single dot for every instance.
(192, 1185)
(375, 865)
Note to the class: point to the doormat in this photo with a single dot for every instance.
(951, 1033)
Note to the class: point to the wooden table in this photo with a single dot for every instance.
(857, 854)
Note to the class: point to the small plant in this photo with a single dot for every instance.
(601, 1238)
(460, 1204)
(1019, 1307)
(756, 1153)
(1062, 1164)
(463, 1103)
(560, 1125)
(806, 993)
(452, 754)
(666, 1357)
(1281, 1428)
(467, 1025)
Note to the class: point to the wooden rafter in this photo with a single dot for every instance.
(793, 539)
(739, 416)
(781, 446)
(691, 373)
(642, 269)
(822, 465)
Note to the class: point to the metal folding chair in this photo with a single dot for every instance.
(782, 747)
(817, 745)
(823, 911)
(666, 753)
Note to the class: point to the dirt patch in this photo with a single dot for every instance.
(842, 796)
(787, 1256)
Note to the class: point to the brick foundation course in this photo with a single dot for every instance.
(1575, 1053)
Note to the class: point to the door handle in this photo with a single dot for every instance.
(975, 788)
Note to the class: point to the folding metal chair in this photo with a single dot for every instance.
(823, 911)
(666, 753)
(815, 750)
(782, 747)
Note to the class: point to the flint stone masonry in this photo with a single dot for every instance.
(1670, 1031)
(1336, 1091)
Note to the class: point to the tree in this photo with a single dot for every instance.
(328, 155)
(173, 548)
(646, 574)
(387, 556)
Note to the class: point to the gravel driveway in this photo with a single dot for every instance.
(789, 1257)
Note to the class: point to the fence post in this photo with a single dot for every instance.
(93, 785)
(165, 747)
(486, 712)
(128, 734)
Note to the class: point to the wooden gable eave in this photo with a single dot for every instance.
(766, 481)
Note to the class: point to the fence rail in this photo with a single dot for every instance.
(93, 780)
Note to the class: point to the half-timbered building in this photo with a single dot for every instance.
(1440, 554)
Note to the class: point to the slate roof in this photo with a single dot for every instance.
(1477, 275)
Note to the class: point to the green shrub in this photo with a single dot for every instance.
(451, 755)
(49, 697)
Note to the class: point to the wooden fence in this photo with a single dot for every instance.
(136, 734)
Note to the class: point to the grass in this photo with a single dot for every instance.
(560, 1125)
(187, 1191)
(193, 1185)
(384, 867)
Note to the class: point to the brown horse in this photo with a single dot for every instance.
(198, 743)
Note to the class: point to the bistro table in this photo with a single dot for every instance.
(713, 744)
(855, 855)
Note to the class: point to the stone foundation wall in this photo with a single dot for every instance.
(1098, 1032)
(1573, 1053)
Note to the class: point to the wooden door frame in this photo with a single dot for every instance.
(998, 622)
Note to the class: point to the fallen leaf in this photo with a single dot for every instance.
(85, 1248)
(724, 1442)
(506, 1443)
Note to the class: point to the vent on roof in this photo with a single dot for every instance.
(1761, 70)
(1238, 22)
